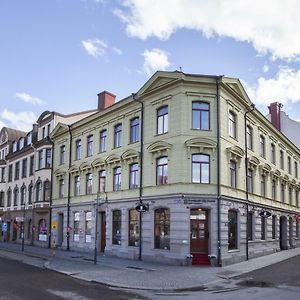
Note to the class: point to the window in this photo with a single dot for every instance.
(274, 224)
(250, 226)
(42, 230)
(134, 130)
(290, 195)
(250, 180)
(89, 142)
(40, 155)
(232, 124)
(61, 188)
(296, 169)
(88, 227)
(38, 191)
(89, 183)
(117, 178)
(9, 198)
(2, 178)
(263, 221)
(47, 190)
(297, 229)
(273, 154)
(297, 198)
(31, 165)
(102, 181)
(281, 160)
(232, 230)
(282, 192)
(15, 146)
(17, 170)
(23, 195)
(21, 143)
(103, 140)
(77, 185)
(200, 168)
(1, 199)
(200, 115)
(273, 189)
(48, 129)
(249, 137)
(289, 163)
(162, 170)
(48, 158)
(116, 227)
(233, 174)
(24, 167)
(134, 232)
(162, 120)
(133, 176)
(62, 154)
(10, 173)
(263, 185)
(76, 227)
(262, 143)
(43, 132)
(78, 150)
(162, 228)
(29, 138)
(118, 136)
(30, 193)
(16, 196)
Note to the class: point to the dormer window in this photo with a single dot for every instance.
(15, 146)
(21, 143)
(29, 138)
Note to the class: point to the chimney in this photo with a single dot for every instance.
(274, 111)
(105, 100)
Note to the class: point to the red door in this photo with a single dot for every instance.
(199, 236)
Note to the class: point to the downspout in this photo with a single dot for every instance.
(218, 79)
(33, 194)
(252, 106)
(135, 98)
(51, 181)
(69, 188)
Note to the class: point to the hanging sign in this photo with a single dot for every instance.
(265, 213)
(142, 207)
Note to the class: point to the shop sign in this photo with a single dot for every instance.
(197, 201)
(54, 225)
(142, 207)
(265, 213)
(298, 218)
(4, 227)
(20, 219)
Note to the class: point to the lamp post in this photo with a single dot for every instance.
(252, 106)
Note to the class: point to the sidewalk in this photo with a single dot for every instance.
(131, 274)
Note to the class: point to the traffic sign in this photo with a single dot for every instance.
(265, 213)
(142, 207)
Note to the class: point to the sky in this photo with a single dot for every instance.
(59, 54)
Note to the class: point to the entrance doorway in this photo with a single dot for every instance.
(60, 229)
(283, 233)
(103, 231)
(199, 236)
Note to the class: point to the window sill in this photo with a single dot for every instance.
(234, 250)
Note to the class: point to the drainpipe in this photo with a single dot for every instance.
(69, 188)
(51, 179)
(252, 106)
(135, 98)
(33, 193)
(218, 80)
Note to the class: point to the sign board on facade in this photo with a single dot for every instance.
(142, 207)
(19, 219)
(265, 213)
(54, 225)
(298, 218)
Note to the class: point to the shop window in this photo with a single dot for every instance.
(232, 230)
(162, 228)
(88, 227)
(274, 224)
(250, 226)
(76, 227)
(43, 230)
(263, 223)
(116, 227)
(134, 232)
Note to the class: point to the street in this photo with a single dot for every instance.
(22, 281)
(278, 281)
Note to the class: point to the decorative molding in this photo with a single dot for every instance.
(158, 147)
(235, 152)
(98, 162)
(85, 166)
(201, 143)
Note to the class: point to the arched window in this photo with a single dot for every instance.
(43, 230)
(16, 196)
(200, 115)
(9, 197)
(23, 195)
(1, 199)
(162, 120)
(162, 228)
(232, 230)
(38, 190)
(47, 190)
(30, 193)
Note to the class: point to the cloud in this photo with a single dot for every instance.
(95, 47)
(284, 88)
(22, 120)
(29, 99)
(271, 26)
(265, 68)
(155, 59)
(117, 51)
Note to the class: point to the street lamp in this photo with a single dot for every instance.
(252, 107)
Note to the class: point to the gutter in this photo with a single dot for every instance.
(69, 188)
(51, 182)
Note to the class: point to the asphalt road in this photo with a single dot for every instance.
(21, 281)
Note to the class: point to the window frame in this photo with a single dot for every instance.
(162, 225)
(162, 164)
(232, 124)
(103, 141)
(118, 135)
(197, 115)
(134, 130)
(162, 120)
